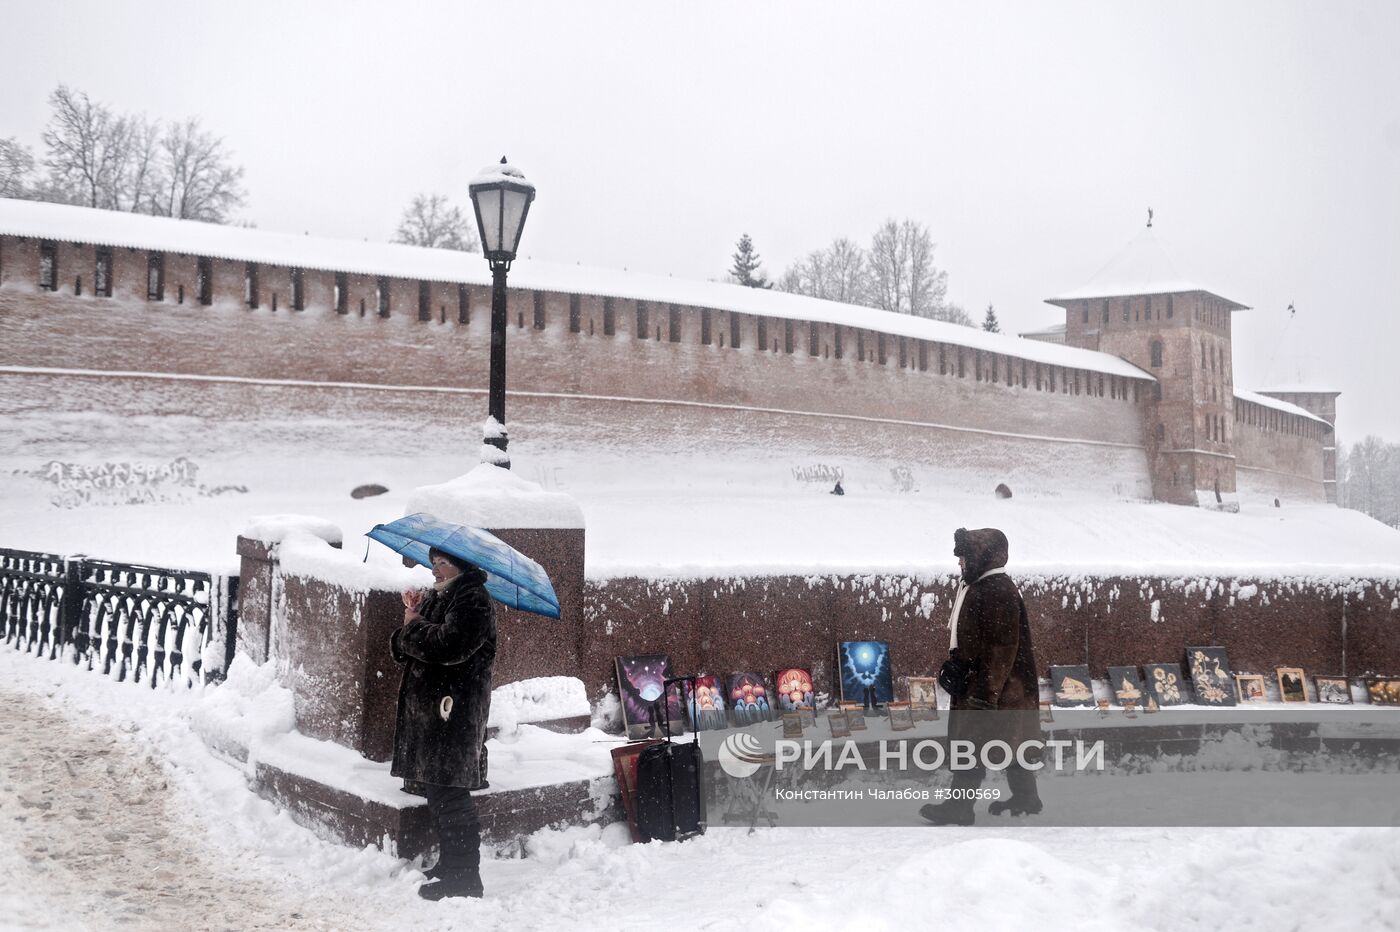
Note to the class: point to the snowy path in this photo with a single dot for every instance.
(113, 815)
(92, 839)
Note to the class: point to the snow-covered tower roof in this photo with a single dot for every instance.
(1143, 267)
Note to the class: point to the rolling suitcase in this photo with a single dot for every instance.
(670, 801)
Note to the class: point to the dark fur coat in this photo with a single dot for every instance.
(994, 639)
(448, 654)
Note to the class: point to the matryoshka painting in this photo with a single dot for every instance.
(749, 697)
(795, 690)
(706, 703)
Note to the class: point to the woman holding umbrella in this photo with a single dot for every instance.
(448, 648)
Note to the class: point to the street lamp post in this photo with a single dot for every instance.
(501, 197)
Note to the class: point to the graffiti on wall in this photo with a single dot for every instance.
(819, 472)
(78, 485)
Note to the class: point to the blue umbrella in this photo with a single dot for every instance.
(511, 577)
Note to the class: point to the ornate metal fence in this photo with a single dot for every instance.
(142, 623)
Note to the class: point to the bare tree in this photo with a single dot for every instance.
(836, 273)
(16, 168)
(431, 221)
(99, 158)
(87, 149)
(199, 182)
(889, 268)
(1369, 479)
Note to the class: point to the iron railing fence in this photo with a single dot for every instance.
(143, 623)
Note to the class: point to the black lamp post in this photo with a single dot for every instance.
(501, 197)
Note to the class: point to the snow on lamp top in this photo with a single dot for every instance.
(501, 197)
(490, 497)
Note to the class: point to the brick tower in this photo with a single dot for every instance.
(1321, 401)
(1140, 308)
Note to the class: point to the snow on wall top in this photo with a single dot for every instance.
(163, 234)
(273, 529)
(1300, 388)
(1277, 405)
(491, 497)
(1143, 267)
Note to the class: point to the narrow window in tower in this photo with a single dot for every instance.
(155, 277)
(1156, 354)
(48, 266)
(102, 277)
(1161, 433)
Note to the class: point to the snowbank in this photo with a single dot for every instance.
(492, 497)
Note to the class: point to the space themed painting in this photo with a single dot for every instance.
(640, 683)
(865, 672)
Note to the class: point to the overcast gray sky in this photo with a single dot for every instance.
(1029, 137)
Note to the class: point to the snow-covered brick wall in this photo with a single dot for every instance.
(273, 529)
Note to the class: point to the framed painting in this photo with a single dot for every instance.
(792, 726)
(1127, 687)
(901, 719)
(856, 719)
(705, 703)
(1072, 687)
(923, 691)
(840, 724)
(865, 672)
(748, 697)
(1383, 690)
(1291, 684)
(1210, 675)
(1333, 689)
(808, 716)
(795, 690)
(1165, 684)
(1250, 687)
(640, 684)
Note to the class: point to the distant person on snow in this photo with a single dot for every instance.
(448, 648)
(838, 490)
(990, 675)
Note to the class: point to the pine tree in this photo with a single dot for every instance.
(989, 323)
(746, 269)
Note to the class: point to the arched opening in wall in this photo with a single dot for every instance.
(1156, 354)
(1003, 490)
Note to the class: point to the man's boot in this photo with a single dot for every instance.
(952, 812)
(464, 882)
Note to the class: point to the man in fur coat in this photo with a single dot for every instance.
(990, 675)
(448, 648)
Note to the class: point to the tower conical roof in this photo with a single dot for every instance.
(1144, 266)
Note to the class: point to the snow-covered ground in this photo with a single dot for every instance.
(113, 810)
(206, 457)
(115, 814)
